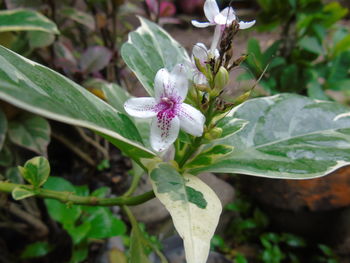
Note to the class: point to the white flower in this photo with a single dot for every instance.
(167, 109)
(223, 18)
(201, 53)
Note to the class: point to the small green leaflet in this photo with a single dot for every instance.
(36, 171)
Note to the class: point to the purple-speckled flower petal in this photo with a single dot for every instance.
(178, 83)
(161, 82)
(164, 132)
(211, 10)
(191, 120)
(141, 107)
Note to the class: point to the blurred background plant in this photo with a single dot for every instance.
(311, 54)
(248, 238)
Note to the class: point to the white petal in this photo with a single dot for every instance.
(141, 107)
(201, 24)
(191, 120)
(211, 10)
(216, 54)
(199, 78)
(226, 17)
(178, 82)
(216, 39)
(245, 25)
(161, 81)
(164, 132)
(200, 52)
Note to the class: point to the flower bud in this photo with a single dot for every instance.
(213, 134)
(221, 78)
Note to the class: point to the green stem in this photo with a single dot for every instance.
(192, 148)
(134, 183)
(69, 197)
(198, 141)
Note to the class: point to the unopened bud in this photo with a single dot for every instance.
(221, 78)
(199, 65)
(202, 87)
(238, 61)
(243, 97)
(213, 134)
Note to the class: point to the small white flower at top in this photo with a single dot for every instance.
(167, 109)
(220, 20)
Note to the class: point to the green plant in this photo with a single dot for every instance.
(277, 137)
(310, 55)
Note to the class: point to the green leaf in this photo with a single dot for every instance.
(38, 89)
(20, 193)
(193, 206)
(311, 44)
(149, 49)
(255, 58)
(337, 77)
(113, 93)
(230, 126)
(6, 157)
(209, 156)
(30, 131)
(36, 250)
(287, 136)
(342, 45)
(115, 96)
(101, 192)
(13, 175)
(289, 77)
(25, 20)
(63, 213)
(137, 245)
(36, 171)
(240, 259)
(104, 224)
(78, 233)
(315, 91)
(79, 17)
(38, 39)
(80, 252)
(3, 128)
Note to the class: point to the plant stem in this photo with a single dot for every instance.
(197, 142)
(69, 197)
(134, 183)
(193, 147)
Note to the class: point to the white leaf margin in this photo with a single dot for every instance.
(195, 225)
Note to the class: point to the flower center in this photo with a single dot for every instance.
(167, 108)
(168, 102)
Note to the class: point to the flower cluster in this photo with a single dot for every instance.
(167, 110)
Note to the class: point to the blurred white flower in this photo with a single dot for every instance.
(223, 18)
(220, 20)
